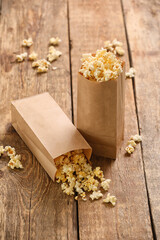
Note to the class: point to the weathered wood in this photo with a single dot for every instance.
(32, 206)
(143, 27)
(91, 23)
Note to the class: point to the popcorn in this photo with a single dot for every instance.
(116, 43)
(96, 195)
(53, 54)
(136, 138)
(42, 65)
(132, 143)
(77, 176)
(54, 68)
(129, 149)
(111, 199)
(55, 41)
(108, 44)
(98, 173)
(33, 56)
(102, 66)
(105, 184)
(2, 150)
(21, 57)
(14, 159)
(27, 42)
(42, 69)
(15, 162)
(114, 47)
(120, 51)
(131, 73)
(10, 151)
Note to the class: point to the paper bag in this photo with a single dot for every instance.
(100, 114)
(46, 130)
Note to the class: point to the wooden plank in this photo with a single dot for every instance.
(143, 21)
(32, 206)
(91, 23)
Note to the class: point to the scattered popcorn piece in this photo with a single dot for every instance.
(116, 43)
(102, 66)
(42, 69)
(107, 44)
(132, 143)
(76, 198)
(111, 199)
(129, 149)
(120, 51)
(27, 42)
(131, 73)
(54, 68)
(33, 56)
(55, 41)
(96, 195)
(10, 151)
(136, 138)
(98, 173)
(42, 65)
(2, 150)
(115, 47)
(15, 162)
(105, 184)
(53, 54)
(21, 57)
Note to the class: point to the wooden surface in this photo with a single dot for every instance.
(31, 205)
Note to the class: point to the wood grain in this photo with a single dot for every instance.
(143, 26)
(90, 25)
(32, 206)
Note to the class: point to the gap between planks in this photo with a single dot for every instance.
(138, 123)
(72, 105)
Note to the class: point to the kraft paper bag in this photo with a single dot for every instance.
(100, 113)
(46, 130)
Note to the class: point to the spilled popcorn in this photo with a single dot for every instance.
(54, 68)
(96, 195)
(42, 65)
(15, 160)
(54, 41)
(110, 199)
(132, 143)
(105, 184)
(102, 66)
(120, 51)
(21, 57)
(115, 46)
(27, 42)
(33, 56)
(77, 177)
(129, 149)
(131, 73)
(136, 138)
(53, 54)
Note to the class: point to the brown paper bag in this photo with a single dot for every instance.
(100, 114)
(46, 130)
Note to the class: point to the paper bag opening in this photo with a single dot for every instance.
(100, 113)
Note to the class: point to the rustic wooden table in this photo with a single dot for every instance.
(31, 205)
